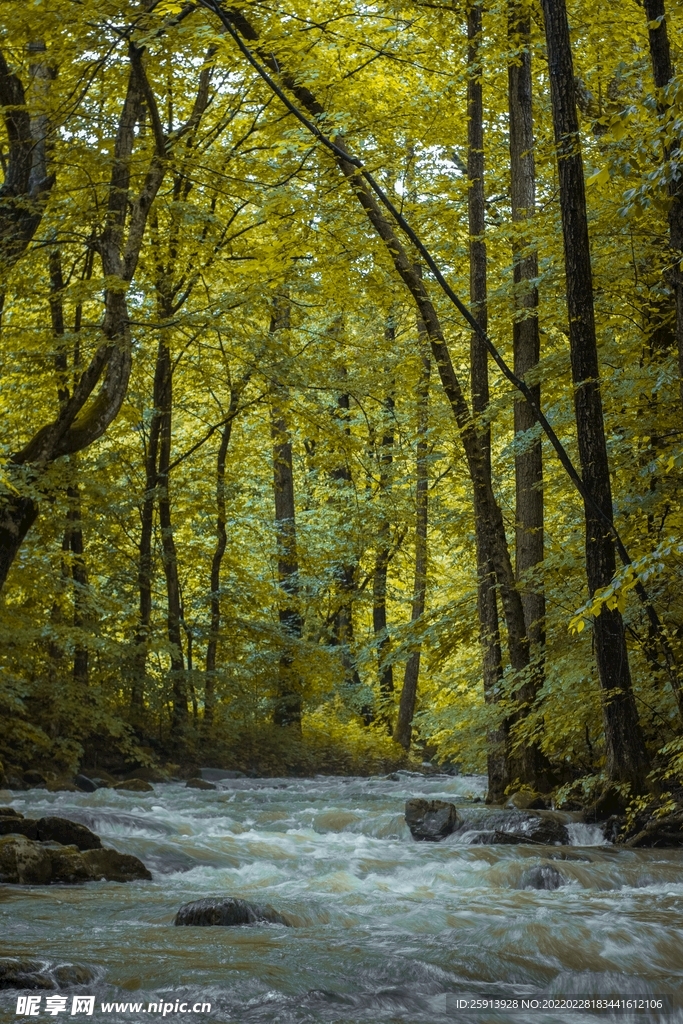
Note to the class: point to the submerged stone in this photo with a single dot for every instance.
(199, 784)
(431, 820)
(134, 786)
(35, 974)
(542, 876)
(226, 912)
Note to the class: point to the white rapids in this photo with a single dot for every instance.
(385, 930)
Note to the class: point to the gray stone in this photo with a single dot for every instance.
(85, 784)
(199, 784)
(226, 912)
(542, 876)
(36, 974)
(534, 830)
(134, 786)
(216, 774)
(431, 820)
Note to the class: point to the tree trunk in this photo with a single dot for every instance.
(487, 607)
(526, 348)
(216, 563)
(288, 704)
(163, 401)
(379, 578)
(345, 571)
(406, 710)
(79, 575)
(627, 759)
(664, 74)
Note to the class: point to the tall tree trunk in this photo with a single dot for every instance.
(345, 572)
(79, 575)
(145, 564)
(627, 759)
(216, 563)
(164, 402)
(288, 703)
(487, 606)
(528, 761)
(379, 577)
(406, 710)
(664, 73)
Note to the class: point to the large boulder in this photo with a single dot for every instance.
(33, 777)
(431, 820)
(199, 784)
(226, 911)
(18, 825)
(25, 862)
(68, 833)
(36, 974)
(534, 830)
(134, 786)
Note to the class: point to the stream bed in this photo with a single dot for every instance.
(385, 930)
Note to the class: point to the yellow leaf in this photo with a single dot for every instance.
(600, 178)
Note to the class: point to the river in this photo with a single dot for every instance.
(385, 930)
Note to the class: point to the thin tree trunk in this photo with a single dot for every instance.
(379, 578)
(627, 759)
(664, 73)
(406, 710)
(288, 704)
(526, 352)
(79, 575)
(164, 402)
(145, 562)
(345, 572)
(216, 563)
(487, 606)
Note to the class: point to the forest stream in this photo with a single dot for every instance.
(384, 929)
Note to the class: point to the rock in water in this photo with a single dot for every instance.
(431, 820)
(542, 876)
(112, 866)
(19, 826)
(226, 912)
(535, 830)
(23, 862)
(68, 833)
(199, 784)
(34, 974)
(134, 786)
(85, 784)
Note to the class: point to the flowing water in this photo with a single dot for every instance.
(385, 930)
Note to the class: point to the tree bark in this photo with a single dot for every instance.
(287, 710)
(216, 563)
(487, 606)
(382, 556)
(411, 675)
(627, 759)
(526, 353)
(664, 73)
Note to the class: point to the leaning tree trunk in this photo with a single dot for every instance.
(627, 759)
(529, 763)
(664, 74)
(288, 702)
(411, 675)
(487, 607)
